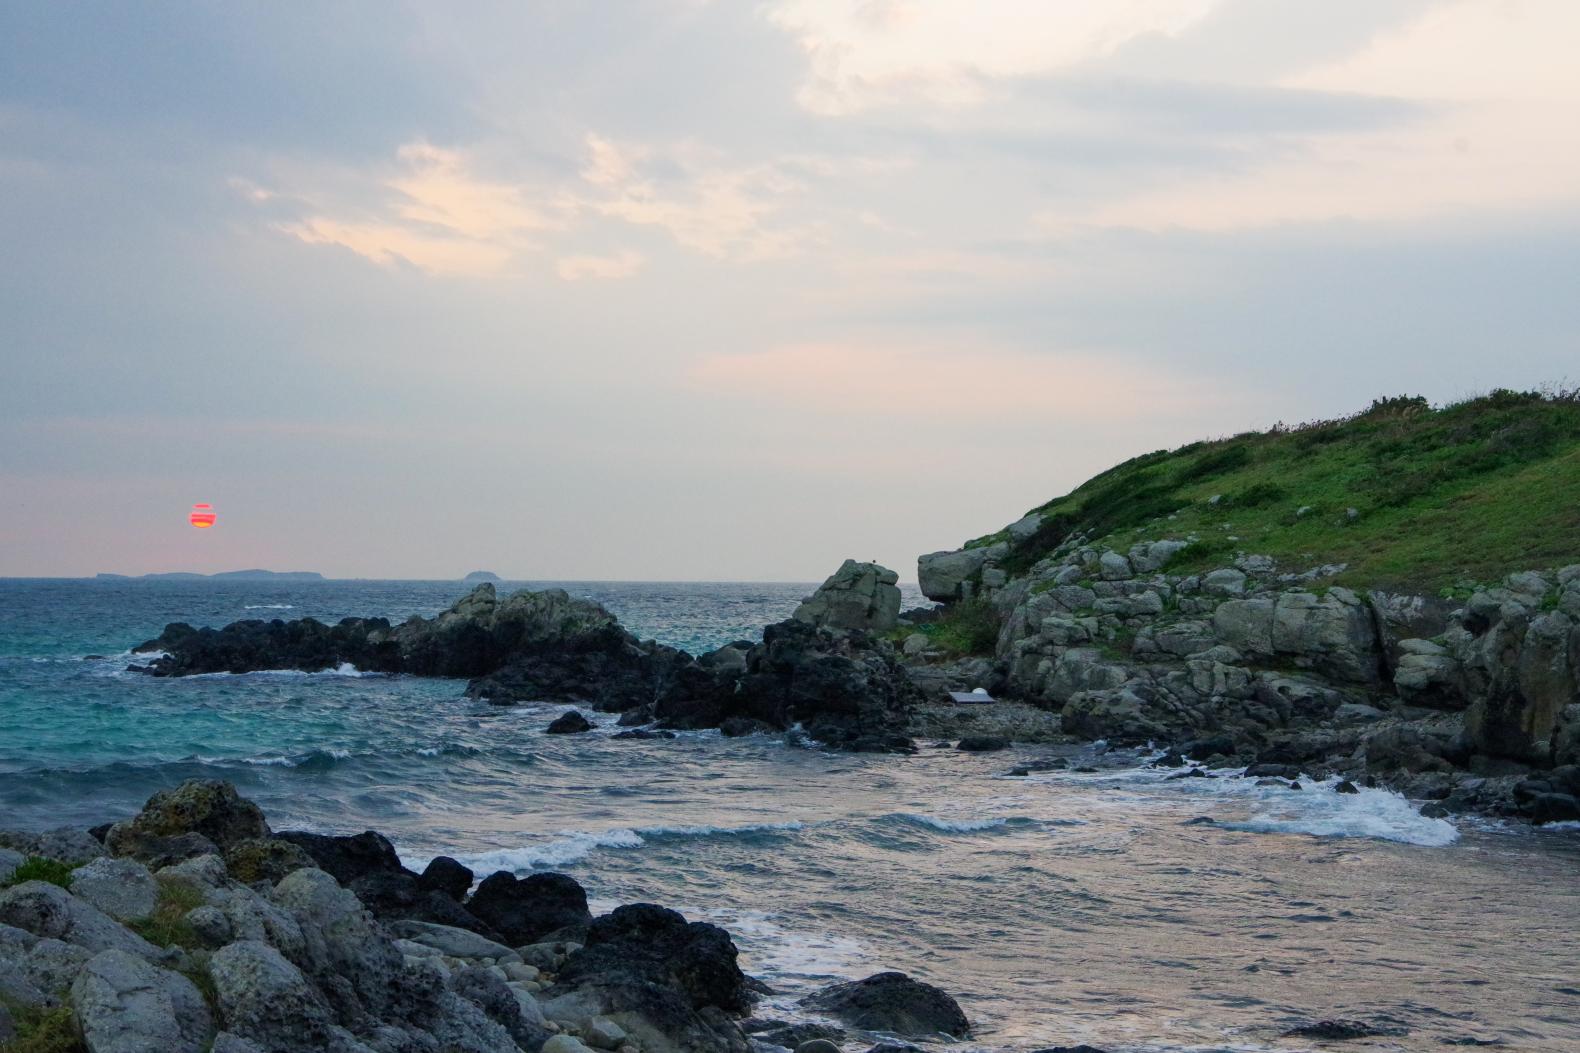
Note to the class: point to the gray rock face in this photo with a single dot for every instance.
(53, 965)
(126, 1005)
(122, 888)
(945, 576)
(64, 843)
(267, 999)
(860, 596)
(49, 910)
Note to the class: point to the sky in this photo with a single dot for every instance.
(734, 290)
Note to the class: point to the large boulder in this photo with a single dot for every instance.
(193, 819)
(122, 888)
(50, 911)
(895, 1003)
(125, 1005)
(862, 596)
(265, 999)
(1521, 674)
(645, 944)
(524, 910)
(949, 576)
(672, 985)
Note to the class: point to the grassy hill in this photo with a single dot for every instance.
(1404, 493)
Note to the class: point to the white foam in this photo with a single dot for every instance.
(1566, 824)
(269, 607)
(570, 846)
(1316, 809)
(954, 826)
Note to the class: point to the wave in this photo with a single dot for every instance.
(268, 607)
(1320, 812)
(953, 826)
(344, 669)
(571, 846)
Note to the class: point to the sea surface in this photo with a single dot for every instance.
(1115, 907)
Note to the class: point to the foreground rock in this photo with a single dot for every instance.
(823, 669)
(305, 963)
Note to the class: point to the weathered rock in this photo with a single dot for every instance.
(121, 888)
(50, 911)
(524, 910)
(946, 576)
(266, 999)
(125, 1005)
(65, 843)
(190, 820)
(265, 859)
(895, 1003)
(52, 965)
(861, 596)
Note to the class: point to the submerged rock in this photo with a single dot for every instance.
(572, 723)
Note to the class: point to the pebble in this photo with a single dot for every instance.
(521, 971)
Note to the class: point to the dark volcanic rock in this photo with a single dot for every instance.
(347, 858)
(844, 687)
(447, 876)
(983, 743)
(527, 909)
(642, 944)
(895, 1003)
(368, 865)
(572, 723)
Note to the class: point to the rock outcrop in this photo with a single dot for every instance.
(859, 596)
(1454, 700)
(826, 669)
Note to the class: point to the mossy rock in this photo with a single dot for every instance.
(265, 859)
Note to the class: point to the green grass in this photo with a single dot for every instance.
(1468, 491)
(167, 926)
(44, 1031)
(969, 628)
(38, 868)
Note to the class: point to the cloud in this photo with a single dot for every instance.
(622, 264)
(945, 383)
(885, 51)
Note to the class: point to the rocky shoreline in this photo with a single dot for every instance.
(1469, 702)
(192, 926)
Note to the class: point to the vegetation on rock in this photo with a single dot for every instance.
(38, 868)
(1403, 494)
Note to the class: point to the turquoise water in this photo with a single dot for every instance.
(1059, 909)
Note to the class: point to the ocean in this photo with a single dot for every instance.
(1061, 908)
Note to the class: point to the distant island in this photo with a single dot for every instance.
(482, 575)
(228, 575)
